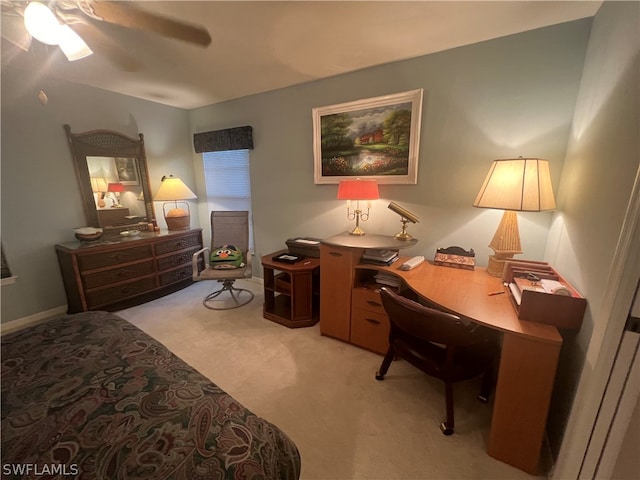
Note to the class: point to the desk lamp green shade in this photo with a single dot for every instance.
(173, 189)
(514, 185)
(358, 190)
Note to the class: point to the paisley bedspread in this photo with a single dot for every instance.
(90, 396)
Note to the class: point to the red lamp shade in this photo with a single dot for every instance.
(358, 190)
(115, 187)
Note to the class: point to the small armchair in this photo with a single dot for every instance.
(227, 228)
(441, 345)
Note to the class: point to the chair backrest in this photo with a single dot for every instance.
(230, 227)
(416, 320)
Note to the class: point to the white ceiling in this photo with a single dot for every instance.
(263, 45)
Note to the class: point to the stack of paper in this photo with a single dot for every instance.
(384, 278)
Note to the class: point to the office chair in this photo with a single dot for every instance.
(441, 345)
(227, 229)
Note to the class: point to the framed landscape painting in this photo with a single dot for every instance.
(376, 138)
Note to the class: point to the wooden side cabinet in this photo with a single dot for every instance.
(119, 273)
(291, 296)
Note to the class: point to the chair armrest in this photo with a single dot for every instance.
(248, 273)
(195, 272)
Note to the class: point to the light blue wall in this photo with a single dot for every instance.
(602, 162)
(506, 97)
(497, 99)
(41, 201)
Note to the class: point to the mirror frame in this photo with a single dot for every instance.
(107, 143)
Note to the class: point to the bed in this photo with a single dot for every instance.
(91, 396)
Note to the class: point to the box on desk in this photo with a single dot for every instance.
(304, 246)
(540, 294)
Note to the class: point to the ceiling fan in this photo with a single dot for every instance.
(74, 25)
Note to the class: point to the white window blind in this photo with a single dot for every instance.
(228, 186)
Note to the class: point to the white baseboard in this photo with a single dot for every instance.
(24, 322)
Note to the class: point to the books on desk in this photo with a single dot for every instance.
(379, 257)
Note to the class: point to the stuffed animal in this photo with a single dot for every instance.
(225, 257)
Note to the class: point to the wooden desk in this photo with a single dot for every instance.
(529, 355)
(528, 360)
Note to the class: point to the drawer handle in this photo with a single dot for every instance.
(373, 321)
(374, 304)
(335, 254)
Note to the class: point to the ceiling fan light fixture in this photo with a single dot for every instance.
(72, 45)
(41, 23)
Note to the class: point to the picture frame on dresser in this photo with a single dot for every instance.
(375, 138)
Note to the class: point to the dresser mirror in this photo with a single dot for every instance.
(114, 179)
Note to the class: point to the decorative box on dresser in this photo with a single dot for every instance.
(122, 272)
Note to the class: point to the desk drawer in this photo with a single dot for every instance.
(116, 257)
(370, 330)
(368, 298)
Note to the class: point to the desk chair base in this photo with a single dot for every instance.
(235, 293)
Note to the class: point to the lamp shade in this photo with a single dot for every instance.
(115, 187)
(98, 184)
(521, 184)
(171, 189)
(358, 190)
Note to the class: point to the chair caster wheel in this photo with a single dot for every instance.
(379, 376)
(445, 429)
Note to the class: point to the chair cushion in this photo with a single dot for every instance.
(226, 257)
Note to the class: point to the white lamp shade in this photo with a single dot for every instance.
(521, 184)
(172, 189)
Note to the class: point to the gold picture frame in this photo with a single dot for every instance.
(375, 138)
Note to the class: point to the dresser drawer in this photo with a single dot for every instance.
(179, 243)
(105, 277)
(176, 275)
(368, 298)
(115, 257)
(172, 261)
(115, 294)
(370, 330)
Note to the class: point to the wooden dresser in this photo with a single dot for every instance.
(119, 273)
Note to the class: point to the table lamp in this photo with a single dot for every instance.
(514, 185)
(173, 189)
(358, 190)
(99, 186)
(116, 188)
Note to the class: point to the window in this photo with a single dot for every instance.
(227, 181)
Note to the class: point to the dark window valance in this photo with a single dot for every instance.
(238, 138)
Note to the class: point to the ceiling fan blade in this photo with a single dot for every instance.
(122, 13)
(101, 44)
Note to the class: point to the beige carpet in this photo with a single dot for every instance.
(323, 394)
